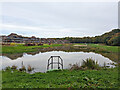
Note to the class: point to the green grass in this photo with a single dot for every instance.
(108, 48)
(0, 80)
(79, 44)
(105, 78)
(22, 49)
(100, 48)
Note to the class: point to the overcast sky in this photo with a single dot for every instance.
(58, 19)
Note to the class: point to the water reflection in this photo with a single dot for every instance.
(13, 56)
(70, 55)
(39, 61)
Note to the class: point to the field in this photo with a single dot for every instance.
(108, 48)
(99, 48)
(20, 48)
(105, 78)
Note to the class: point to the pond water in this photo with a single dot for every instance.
(39, 60)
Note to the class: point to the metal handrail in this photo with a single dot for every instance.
(51, 63)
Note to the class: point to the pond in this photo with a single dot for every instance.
(39, 60)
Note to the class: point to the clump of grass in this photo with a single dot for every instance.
(89, 63)
(30, 68)
(105, 66)
(23, 68)
(14, 67)
(75, 67)
(7, 68)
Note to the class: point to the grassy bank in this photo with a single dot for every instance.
(105, 78)
(99, 47)
(105, 47)
(24, 49)
(0, 80)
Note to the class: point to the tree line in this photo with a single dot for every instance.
(110, 38)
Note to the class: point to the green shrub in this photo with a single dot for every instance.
(90, 64)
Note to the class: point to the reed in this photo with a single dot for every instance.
(14, 67)
(30, 68)
(89, 63)
(75, 67)
(22, 68)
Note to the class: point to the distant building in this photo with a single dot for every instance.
(13, 37)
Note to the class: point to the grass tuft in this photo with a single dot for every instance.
(30, 68)
(14, 67)
(23, 68)
(7, 68)
(89, 63)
